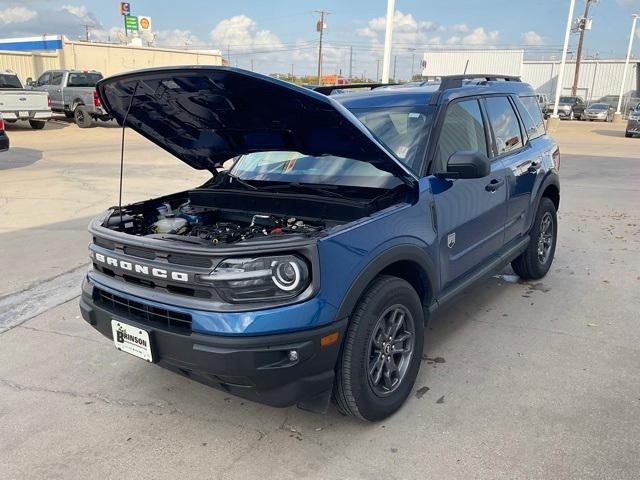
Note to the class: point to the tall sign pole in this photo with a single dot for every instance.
(572, 5)
(618, 113)
(388, 34)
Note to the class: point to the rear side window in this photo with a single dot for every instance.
(84, 79)
(532, 117)
(505, 124)
(462, 130)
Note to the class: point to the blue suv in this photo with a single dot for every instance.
(307, 269)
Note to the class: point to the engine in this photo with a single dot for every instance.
(208, 226)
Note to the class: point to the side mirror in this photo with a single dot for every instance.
(30, 82)
(468, 165)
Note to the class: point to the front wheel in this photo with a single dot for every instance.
(628, 134)
(382, 351)
(535, 261)
(37, 124)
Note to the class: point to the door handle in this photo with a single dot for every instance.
(494, 185)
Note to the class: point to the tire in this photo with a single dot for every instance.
(355, 391)
(37, 124)
(628, 134)
(83, 118)
(69, 115)
(533, 264)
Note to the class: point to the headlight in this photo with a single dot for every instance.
(240, 280)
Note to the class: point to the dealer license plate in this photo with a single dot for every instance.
(23, 114)
(131, 340)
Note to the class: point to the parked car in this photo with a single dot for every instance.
(4, 138)
(73, 93)
(633, 122)
(16, 103)
(543, 101)
(599, 111)
(570, 108)
(310, 268)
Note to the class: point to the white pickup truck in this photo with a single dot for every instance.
(16, 103)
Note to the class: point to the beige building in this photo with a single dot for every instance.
(104, 57)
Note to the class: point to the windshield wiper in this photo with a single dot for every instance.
(241, 181)
(306, 186)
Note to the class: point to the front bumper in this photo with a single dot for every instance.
(597, 116)
(633, 126)
(257, 368)
(4, 142)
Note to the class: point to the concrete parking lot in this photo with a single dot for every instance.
(519, 380)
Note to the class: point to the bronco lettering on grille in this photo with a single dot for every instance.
(141, 269)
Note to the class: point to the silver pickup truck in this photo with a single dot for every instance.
(73, 93)
(16, 103)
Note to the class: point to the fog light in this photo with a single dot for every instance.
(293, 355)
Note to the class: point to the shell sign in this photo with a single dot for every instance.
(144, 23)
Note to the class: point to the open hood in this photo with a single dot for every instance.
(205, 115)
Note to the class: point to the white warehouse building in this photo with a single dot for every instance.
(598, 78)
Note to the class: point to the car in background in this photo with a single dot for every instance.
(16, 103)
(73, 93)
(570, 108)
(4, 138)
(543, 101)
(599, 111)
(633, 123)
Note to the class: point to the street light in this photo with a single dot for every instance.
(635, 17)
(555, 116)
(386, 59)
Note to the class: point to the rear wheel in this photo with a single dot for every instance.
(382, 350)
(37, 124)
(628, 134)
(83, 118)
(69, 115)
(536, 260)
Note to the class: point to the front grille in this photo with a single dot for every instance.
(146, 314)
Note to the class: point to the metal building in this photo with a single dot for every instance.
(598, 78)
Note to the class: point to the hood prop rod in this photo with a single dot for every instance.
(124, 123)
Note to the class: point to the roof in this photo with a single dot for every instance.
(424, 93)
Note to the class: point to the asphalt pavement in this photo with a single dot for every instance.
(532, 380)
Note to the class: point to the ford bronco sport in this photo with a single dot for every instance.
(308, 269)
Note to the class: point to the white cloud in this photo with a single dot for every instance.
(177, 38)
(406, 29)
(16, 15)
(532, 38)
(480, 37)
(460, 28)
(241, 34)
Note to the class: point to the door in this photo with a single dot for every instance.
(55, 90)
(471, 213)
(524, 162)
(43, 82)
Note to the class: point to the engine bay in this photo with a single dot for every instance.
(208, 226)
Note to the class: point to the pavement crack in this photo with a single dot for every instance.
(54, 332)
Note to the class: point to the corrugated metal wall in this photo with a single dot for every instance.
(28, 64)
(106, 58)
(598, 78)
(452, 62)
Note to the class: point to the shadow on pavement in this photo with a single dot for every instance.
(18, 157)
(610, 133)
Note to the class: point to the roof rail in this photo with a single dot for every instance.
(328, 89)
(457, 81)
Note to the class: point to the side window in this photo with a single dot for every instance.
(506, 128)
(44, 79)
(56, 78)
(531, 116)
(462, 130)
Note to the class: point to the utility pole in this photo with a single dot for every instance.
(388, 34)
(252, 64)
(292, 76)
(378, 70)
(413, 61)
(582, 27)
(86, 32)
(320, 29)
(350, 62)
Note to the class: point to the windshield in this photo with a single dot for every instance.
(294, 167)
(599, 106)
(403, 130)
(567, 99)
(9, 81)
(83, 79)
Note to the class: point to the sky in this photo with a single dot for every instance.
(276, 36)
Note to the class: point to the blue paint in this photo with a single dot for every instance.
(28, 46)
